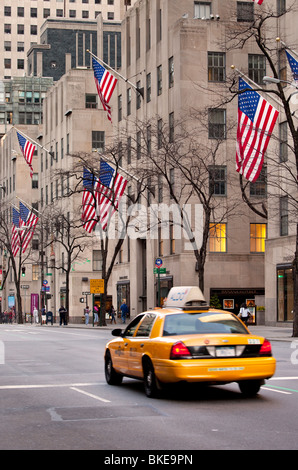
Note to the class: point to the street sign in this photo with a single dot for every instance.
(24, 286)
(159, 270)
(45, 282)
(86, 293)
(96, 286)
(158, 262)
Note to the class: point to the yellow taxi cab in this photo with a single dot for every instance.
(187, 341)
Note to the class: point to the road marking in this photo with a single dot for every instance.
(273, 390)
(90, 395)
(283, 388)
(22, 387)
(283, 378)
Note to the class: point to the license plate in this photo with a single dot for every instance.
(224, 351)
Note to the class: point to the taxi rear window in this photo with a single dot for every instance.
(202, 323)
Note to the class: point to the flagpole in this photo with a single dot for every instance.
(39, 145)
(286, 47)
(255, 84)
(139, 90)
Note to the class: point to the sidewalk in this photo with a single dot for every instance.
(272, 333)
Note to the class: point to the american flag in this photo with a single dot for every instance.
(105, 84)
(294, 65)
(28, 150)
(15, 236)
(109, 191)
(259, 1)
(28, 222)
(89, 216)
(256, 120)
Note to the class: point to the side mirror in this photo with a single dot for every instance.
(117, 332)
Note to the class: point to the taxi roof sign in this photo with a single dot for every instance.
(185, 296)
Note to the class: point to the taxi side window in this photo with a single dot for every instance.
(146, 325)
(131, 328)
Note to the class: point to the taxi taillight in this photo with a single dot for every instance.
(266, 348)
(180, 351)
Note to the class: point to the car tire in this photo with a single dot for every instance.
(150, 380)
(112, 377)
(250, 388)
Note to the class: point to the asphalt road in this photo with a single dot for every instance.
(53, 396)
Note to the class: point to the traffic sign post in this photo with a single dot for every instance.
(97, 286)
(158, 270)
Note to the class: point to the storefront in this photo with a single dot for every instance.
(285, 293)
(232, 299)
(123, 295)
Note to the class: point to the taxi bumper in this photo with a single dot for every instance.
(215, 370)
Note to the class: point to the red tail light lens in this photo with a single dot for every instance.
(180, 351)
(266, 348)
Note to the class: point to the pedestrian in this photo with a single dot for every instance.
(35, 315)
(62, 313)
(112, 314)
(244, 313)
(95, 313)
(86, 313)
(124, 311)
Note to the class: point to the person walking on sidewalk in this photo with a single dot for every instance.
(124, 311)
(62, 313)
(112, 314)
(86, 313)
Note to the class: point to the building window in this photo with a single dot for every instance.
(46, 12)
(283, 215)
(202, 9)
(259, 188)
(281, 7)
(148, 87)
(159, 133)
(218, 180)
(283, 142)
(216, 66)
(217, 123)
(33, 12)
(128, 94)
(97, 260)
(171, 72)
(7, 11)
(35, 272)
(20, 29)
(256, 67)
(7, 28)
(171, 127)
(159, 80)
(285, 293)
(20, 12)
(218, 238)
(98, 141)
(91, 101)
(139, 146)
(139, 96)
(160, 188)
(258, 234)
(35, 180)
(245, 11)
(20, 64)
(120, 108)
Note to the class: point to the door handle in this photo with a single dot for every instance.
(141, 345)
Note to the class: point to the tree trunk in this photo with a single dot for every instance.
(295, 282)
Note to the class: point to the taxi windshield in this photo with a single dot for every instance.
(202, 323)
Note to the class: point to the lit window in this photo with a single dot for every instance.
(257, 238)
(218, 238)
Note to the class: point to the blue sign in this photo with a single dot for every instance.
(158, 262)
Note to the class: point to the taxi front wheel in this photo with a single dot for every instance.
(250, 388)
(112, 377)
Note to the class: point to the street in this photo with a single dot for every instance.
(53, 396)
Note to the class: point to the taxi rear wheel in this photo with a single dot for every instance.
(150, 381)
(112, 377)
(250, 388)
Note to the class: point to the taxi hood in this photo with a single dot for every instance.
(185, 297)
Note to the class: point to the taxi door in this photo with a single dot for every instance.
(121, 347)
(138, 344)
